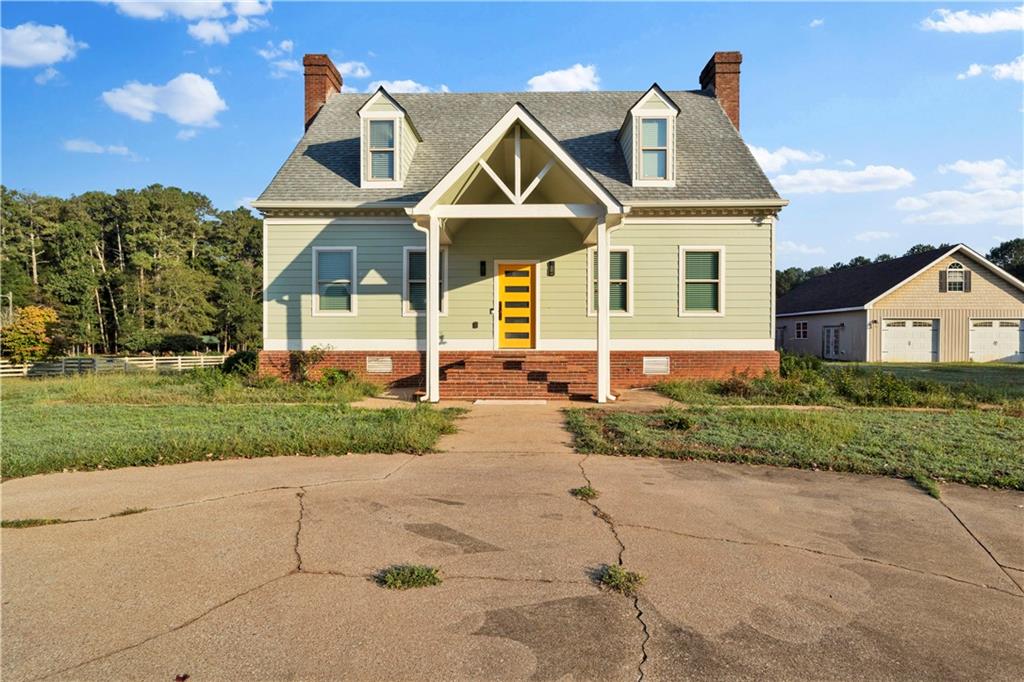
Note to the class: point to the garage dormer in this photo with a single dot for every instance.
(387, 142)
(648, 139)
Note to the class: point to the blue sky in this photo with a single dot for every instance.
(884, 124)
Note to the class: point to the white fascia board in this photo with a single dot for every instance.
(821, 312)
(518, 113)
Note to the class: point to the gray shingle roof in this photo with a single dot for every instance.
(712, 161)
(854, 287)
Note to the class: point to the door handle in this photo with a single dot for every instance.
(499, 310)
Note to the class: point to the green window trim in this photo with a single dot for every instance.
(334, 280)
(620, 281)
(382, 146)
(700, 288)
(414, 287)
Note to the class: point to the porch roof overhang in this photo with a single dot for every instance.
(605, 204)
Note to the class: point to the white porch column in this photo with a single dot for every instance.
(433, 317)
(604, 364)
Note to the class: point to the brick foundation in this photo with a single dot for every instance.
(627, 366)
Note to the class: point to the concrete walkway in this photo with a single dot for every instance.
(261, 568)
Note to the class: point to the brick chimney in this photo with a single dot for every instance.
(322, 81)
(722, 77)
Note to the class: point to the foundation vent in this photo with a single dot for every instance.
(379, 365)
(656, 365)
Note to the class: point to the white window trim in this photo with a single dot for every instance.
(683, 312)
(365, 176)
(641, 148)
(956, 267)
(670, 163)
(316, 282)
(406, 310)
(630, 282)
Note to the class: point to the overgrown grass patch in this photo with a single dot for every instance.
(619, 579)
(408, 576)
(39, 438)
(197, 387)
(584, 493)
(967, 446)
(30, 523)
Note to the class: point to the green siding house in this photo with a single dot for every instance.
(558, 244)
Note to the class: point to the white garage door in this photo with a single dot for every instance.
(997, 341)
(910, 340)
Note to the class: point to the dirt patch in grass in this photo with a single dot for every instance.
(967, 446)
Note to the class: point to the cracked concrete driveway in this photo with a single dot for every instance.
(262, 568)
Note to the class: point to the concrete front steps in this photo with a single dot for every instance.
(521, 376)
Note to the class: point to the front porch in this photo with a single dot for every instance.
(517, 175)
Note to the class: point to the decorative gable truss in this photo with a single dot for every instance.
(648, 139)
(387, 142)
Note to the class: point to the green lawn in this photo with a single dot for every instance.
(949, 386)
(995, 381)
(131, 420)
(967, 446)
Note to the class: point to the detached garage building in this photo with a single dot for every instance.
(946, 305)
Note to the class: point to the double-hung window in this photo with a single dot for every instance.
(654, 149)
(620, 281)
(701, 281)
(382, 149)
(334, 271)
(414, 298)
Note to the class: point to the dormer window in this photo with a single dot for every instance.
(387, 142)
(382, 150)
(654, 149)
(648, 139)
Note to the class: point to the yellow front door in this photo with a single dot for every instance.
(516, 303)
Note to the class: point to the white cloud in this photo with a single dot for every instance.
(354, 70)
(958, 207)
(820, 180)
(214, 21)
(399, 86)
(1010, 71)
(32, 44)
(991, 195)
(283, 67)
(190, 10)
(965, 21)
(796, 247)
(577, 77)
(994, 174)
(815, 23)
(188, 99)
(874, 236)
(46, 75)
(847, 163)
(774, 161)
(209, 32)
(84, 146)
(186, 134)
(272, 51)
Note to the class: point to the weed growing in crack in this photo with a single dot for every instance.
(29, 523)
(619, 579)
(585, 493)
(406, 576)
(129, 511)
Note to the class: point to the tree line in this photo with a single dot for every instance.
(151, 269)
(1009, 255)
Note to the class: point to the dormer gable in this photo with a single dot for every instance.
(648, 139)
(387, 142)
